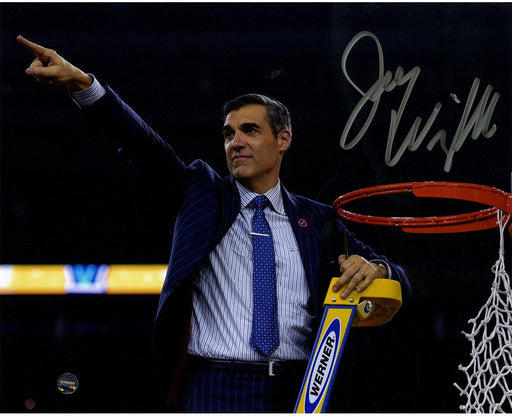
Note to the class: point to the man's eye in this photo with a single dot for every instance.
(228, 135)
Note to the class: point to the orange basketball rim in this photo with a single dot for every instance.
(496, 199)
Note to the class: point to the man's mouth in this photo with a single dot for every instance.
(240, 158)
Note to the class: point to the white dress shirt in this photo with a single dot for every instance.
(222, 295)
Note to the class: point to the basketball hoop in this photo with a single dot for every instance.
(473, 221)
(487, 389)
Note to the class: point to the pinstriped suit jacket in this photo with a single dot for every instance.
(205, 206)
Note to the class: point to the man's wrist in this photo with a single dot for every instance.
(87, 97)
(383, 268)
(82, 82)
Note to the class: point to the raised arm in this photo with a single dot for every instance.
(50, 68)
(129, 135)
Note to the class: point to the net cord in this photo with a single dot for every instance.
(489, 372)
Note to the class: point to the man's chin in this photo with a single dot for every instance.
(241, 174)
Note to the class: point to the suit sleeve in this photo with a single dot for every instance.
(146, 153)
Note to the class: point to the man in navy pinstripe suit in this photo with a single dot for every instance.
(204, 316)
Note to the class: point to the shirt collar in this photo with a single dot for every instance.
(274, 195)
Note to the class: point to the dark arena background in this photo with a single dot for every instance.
(68, 202)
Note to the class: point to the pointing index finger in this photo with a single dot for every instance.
(36, 49)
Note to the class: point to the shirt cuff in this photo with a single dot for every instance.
(86, 98)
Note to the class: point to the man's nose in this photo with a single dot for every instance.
(238, 140)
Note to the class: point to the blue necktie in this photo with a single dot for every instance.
(265, 329)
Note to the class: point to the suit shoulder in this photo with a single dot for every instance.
(307, 202)
(315, 208)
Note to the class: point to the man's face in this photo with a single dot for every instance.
(253, 153)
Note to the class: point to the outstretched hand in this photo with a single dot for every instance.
(50, 68)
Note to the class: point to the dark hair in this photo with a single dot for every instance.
(278, 114)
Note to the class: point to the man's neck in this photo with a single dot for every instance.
(258, 188)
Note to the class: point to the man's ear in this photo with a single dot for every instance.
(284, 139)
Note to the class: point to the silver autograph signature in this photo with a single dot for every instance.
(475, 124)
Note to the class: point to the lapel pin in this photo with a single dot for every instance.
(302, 222)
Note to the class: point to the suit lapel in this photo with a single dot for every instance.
(303, 223)
(206, 215)
(230, 200)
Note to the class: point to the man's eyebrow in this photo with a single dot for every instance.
(249, 125)
(244, 127)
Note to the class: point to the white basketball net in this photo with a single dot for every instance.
(489, 373)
